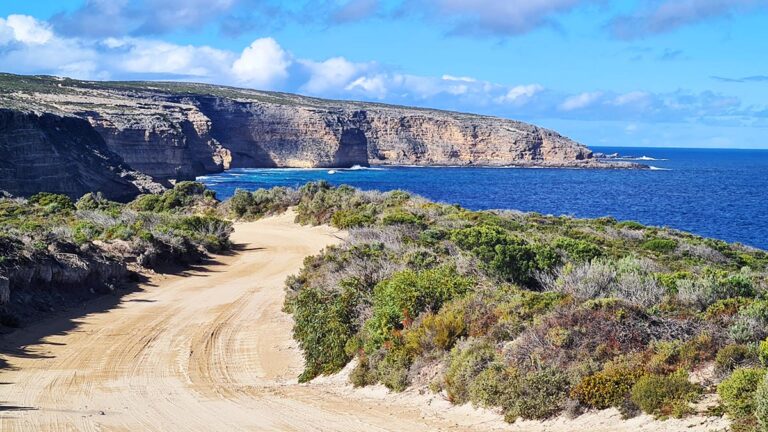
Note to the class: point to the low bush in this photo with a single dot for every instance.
(465, 364)
(665, 395)
(346, 219)
(538, 396)
(323, 325)
(606, 389)
(737, 392)
(436, 332)
(660, 245)
(733, 356)
(406, 294)
(761, 404)
(505, 256)
(54, 202)
(579, 250)
(494, 387)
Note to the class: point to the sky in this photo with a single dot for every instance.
(666, 73)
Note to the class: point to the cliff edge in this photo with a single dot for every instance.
(176, 131)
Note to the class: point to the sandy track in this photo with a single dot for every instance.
(211, 350)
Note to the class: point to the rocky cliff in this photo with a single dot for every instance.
(177, 131)
(61, 154)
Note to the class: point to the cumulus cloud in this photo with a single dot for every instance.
(28, 45)
(262, 64)
(668, 15)
(143, 56)
(332, 74)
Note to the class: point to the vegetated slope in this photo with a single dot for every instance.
(176, 131)
(529, 314)
(54, 253)
(210, 349)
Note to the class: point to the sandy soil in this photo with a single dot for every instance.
(210, 350)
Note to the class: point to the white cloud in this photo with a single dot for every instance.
(458, 78)
(331, 75)
(30, 46)
(580, 101)
(520, 94)
(150, 56)
(375, 86)
(24, 29)
(262, 64)
(631, 98)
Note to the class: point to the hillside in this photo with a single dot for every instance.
(176, 131)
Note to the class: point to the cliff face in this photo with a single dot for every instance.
(62, 155)
(178, 131)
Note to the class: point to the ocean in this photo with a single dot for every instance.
(710, 192)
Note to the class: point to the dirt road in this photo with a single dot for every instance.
(209, 350)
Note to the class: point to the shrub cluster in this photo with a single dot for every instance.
(526, 313)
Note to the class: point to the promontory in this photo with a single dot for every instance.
(124, 138)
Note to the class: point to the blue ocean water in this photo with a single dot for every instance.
(711, 192)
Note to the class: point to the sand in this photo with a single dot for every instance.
(211, 350)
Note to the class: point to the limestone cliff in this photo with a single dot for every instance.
(63, 155)
(176, 131)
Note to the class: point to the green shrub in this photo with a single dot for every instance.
(733, 356)
(762, 352)
(241, 202)
(408, 293)
(147, 203)
(96, 201)
(761, 404)
(737, 392)
(495, 386)
(392, 370)
(84, 232)
(665, 395)
(578, 250)
(323, 324)
(605, 389)
(437, 332)
(660, 245)
(669, 356)
(464, 367)
(345, 219)
(56, 202)
(184, 194)
(538, 396)
(726, 308)
(363, 375)
(509, 257)
(402, 217)
(631, 225)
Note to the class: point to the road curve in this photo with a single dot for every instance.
(211, 350)
(208, 350)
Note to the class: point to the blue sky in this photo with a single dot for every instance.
(677, 73)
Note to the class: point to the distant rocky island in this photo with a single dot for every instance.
(124, 138)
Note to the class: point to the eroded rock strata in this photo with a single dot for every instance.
(74, 136)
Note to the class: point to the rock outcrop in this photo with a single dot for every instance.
(62, 154)
(173, 131)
